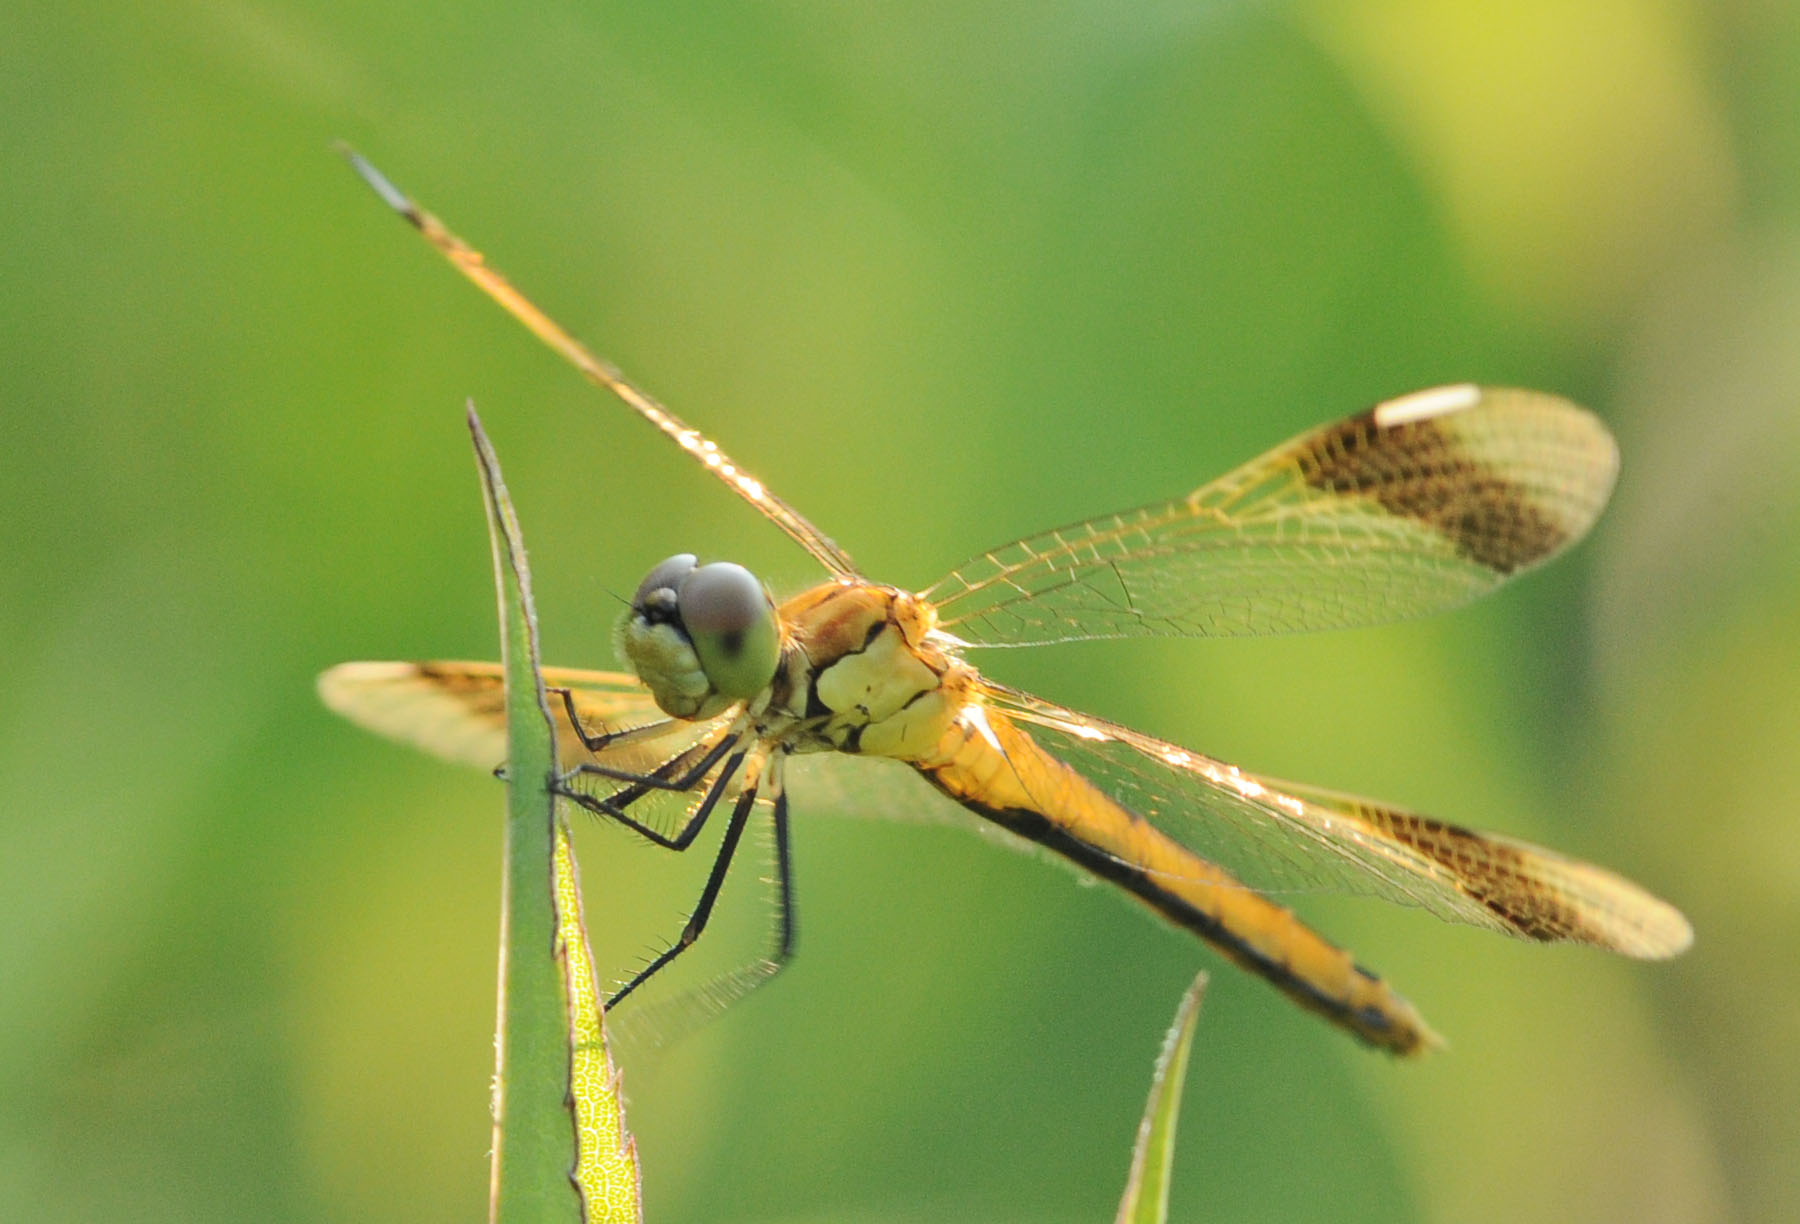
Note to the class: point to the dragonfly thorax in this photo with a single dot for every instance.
(861, 673)
(701, 637)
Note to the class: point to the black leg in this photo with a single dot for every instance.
(784, 890)
(614, 805)
(597, 743)
(663, 1021)
(594, 743)
(684, 837)
(734, 832)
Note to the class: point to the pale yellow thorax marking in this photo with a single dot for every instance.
(863, 653)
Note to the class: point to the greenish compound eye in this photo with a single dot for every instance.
(731, 622)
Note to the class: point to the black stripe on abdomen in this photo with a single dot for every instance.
(1370, 1025)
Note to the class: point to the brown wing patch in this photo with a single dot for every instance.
(1492, 872)
(1288, 837)
(457, 710)
(1419, 470)
(1418, 505)
(1536, 893)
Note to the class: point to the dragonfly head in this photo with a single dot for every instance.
(701, 637)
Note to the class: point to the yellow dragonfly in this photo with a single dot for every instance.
(1416, 505)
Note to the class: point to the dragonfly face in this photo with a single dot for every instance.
(1414, 506)
(701, 637)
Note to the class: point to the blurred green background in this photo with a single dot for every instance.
(942, 274)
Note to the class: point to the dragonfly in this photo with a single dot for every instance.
(1416, 505)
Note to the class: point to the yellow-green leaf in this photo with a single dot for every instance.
(561, 1152)
(1146, 1198)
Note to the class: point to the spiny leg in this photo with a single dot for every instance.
(641, 784)
(606, 739)
(696, 923)
(690, 829)
(657, 778)
(657, 1024)
(786, 932)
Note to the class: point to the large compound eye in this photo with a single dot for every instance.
(656, 598)
(731, 622)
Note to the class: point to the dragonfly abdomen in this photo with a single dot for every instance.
(994, 769)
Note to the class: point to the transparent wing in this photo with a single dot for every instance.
(1417, 505)
(457, 710)
(1280, 837)
(472, 264)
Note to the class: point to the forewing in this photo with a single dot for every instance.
(472, 264)
(1417, 505)
(457, 710)
(1281, 837)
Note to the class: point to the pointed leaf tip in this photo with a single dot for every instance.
(1146, 1199)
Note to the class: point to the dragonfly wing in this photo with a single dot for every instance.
(457, 710)
(1279, 837)
(1536, 893)
(1417, 505)
(472, 264)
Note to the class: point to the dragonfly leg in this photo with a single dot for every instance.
(663, 1021)
(597, 743)
(658, 778)
(696, 923)
(784, 889)
(684, 836)
(641, 784)
(606, 739)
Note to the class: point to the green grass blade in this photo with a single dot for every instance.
(606, 1165)
(560, 1148)
(1146, 1198)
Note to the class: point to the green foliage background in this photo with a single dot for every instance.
(942, 274)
